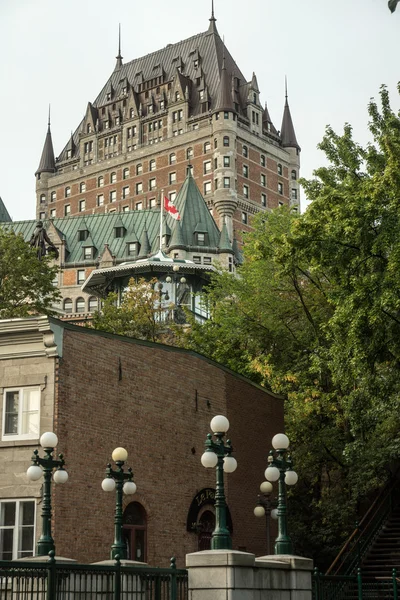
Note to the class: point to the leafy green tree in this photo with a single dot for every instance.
(138, 314)
(315, 316)
(26, 283)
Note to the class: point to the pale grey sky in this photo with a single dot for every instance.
(335, 54)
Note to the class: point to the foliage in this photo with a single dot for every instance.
(137, 316)
(315, 316)
(26, 283)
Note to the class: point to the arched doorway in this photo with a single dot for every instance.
(205, 527)
(134, 531)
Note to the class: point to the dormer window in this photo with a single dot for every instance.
(255, 98)
(200, 239)
(131, 113)
(177, 96)
(132, 248)
(83, 235)
(196, 63)
(108, 96)
(69, 153)
(162, 104)
(124, 89)
(89, 128)
(119, 232)
(117, 120)
(88, 253)
(106, 124)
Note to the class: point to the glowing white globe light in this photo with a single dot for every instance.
(49, 440)
(280, 441)
(259, 511)
(272, 474)
(219, 424)
(108, 484)
(60, 476)
(266, 487)
(129, 487)
(274, 513)
(34, 472)
(230, 464)
(291, 477)
(119, 454)
(209, 459)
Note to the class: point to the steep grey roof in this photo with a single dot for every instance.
(268, 121)
(224, 99)
(47, 162)
(224, 242)
(288, 135)
(4, 216)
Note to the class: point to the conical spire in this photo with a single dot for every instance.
(47, 162)
(119, 57)
(224, 241)
(4, 216)
(288, 135)
(145, 247)
(224, 98)
(267, 122)
(177, 240)
(212, 27)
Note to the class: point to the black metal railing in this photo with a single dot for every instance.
(354, 587)
(71, 581)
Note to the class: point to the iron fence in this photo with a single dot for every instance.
(354, 587)
(70, 581)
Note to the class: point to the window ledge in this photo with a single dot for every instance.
(13, 443)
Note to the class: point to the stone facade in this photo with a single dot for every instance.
(99, 391)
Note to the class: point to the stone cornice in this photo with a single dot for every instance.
(30, 337)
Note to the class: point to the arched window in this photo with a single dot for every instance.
(172, 158)
(80, 305)
(82, 187)
(206, 526)
(245, 151)
(131, 113)
(68, 305)
(262, 160)
(100, 181)
(189, 153)
(280, 170)
(93, 304)
(207, 147)
(152, 165)
(139, 169)
(89, 128)
(113, 177)
(42, 198)
(125, 173)
(134, 531)
(294, 175)
(226, 140)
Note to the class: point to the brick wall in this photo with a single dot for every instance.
(157, 403)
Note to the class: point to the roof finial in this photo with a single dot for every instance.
(286, 96)
(48, 124)
(212, 28)
(119, 57)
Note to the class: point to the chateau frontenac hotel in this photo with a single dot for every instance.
(182, 123)
(181, 127)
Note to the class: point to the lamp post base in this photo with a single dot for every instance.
(221, 541)
(118, 550)
(283, 546)
(44, 546)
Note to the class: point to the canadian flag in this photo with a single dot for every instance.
(171, 209)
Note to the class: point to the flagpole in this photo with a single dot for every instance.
(161, 216)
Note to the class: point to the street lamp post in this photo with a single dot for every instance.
(280, 469)
(44, 466)
(175, 279)
(218, 455)
(123, 484)
(266, 507)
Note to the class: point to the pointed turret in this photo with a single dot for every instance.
(267, 122)
(212, 28)
(70, 149)
(4, 216)
(224, 99)
(288, 135)
(145, 247)
(224, 242)
(47, 162)
(177, 240)
(119, 58)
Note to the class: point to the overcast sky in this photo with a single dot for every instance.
(336, 54)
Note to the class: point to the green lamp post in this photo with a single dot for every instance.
(280, 468)
(44, 466)
(218, 455)
(266, 507)
(117, 479)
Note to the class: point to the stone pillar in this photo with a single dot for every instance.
(233, 575)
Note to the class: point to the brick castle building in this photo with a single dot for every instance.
(184, 123)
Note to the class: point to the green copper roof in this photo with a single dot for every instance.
(195, 216)
(4, 216)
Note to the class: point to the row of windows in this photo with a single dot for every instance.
(80, 304)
